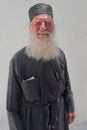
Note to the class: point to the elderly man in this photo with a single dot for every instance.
(39, 95)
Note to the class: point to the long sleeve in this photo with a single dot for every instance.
(14, 98)
(68, 94)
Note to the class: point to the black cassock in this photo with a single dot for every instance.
(39, 94)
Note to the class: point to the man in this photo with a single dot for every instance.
(39, 95)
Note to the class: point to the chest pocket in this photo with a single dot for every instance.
(31, 89)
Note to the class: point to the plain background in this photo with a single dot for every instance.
(71, 30)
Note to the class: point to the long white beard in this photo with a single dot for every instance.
(44, 49)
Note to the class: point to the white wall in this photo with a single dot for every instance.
(71, 22)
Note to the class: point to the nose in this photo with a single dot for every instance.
(43, 27)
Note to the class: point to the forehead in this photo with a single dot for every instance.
(43, 17)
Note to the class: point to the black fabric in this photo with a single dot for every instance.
(40, 8)
(41, 102)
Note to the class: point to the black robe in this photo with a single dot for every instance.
(39, 94)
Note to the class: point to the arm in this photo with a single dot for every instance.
(14, 98)
(68, 96)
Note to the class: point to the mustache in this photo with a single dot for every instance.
(44, 33)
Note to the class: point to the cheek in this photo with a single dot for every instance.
(50, 29)
(35, 28)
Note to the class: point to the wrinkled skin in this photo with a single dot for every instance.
(42, 25)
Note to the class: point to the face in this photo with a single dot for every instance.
(42, 25)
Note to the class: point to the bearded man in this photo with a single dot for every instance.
(39, 95)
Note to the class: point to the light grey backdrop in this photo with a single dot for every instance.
(71, 30)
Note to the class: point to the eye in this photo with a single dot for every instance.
(38, 23)
(48, 24)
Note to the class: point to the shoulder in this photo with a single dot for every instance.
(61, 53)
(19, 58)
(61, 57)
(19, 55)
